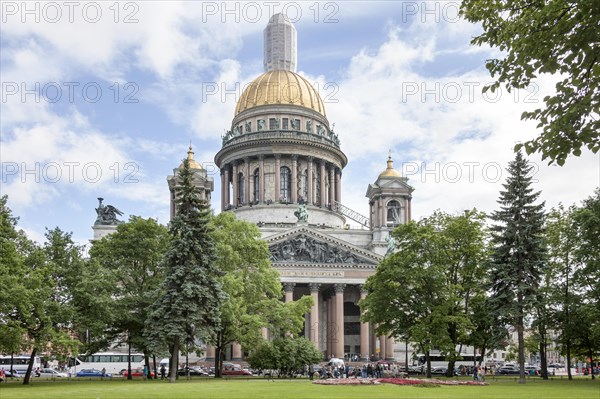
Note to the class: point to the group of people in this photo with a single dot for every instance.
(375, 370)
(367, 370)
(479, 373)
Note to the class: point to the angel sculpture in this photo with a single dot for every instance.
(107, 214)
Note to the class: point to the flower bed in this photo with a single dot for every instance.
(418, 381)
(347, 381)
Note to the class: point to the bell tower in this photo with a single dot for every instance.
(202, 181)
(389, 204)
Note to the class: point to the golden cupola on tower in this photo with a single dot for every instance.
(193, 163)
(280, 87)
(280, 149)
(390, 171)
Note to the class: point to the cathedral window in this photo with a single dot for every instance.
(285, 186)
(284, 123)
(395, 213)
(273, 124)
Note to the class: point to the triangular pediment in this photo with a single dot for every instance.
(305, 245)
(395, 184)
(399, 184)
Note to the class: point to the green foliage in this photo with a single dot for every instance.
(12, 292)
(252, 286)
(518, 259)
(586, 337)
(35, 301)
(430, 281)
(249, 280)
(488, 333)
(131, 258)
(559, 37)
(286, 355)
(188, 305)
(587, 254)
(406, 294)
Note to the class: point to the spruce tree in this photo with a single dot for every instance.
(188, 307)
(518, 256)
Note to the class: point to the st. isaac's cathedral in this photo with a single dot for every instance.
(281, 167)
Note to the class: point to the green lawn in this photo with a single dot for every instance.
(292, 389)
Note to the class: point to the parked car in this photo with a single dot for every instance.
(439, 370)
(415, 369)
(92, 373)
(193, 371)
(507, 370)
(556, 366)
(137, 372)
(51, 373)
(234, 369)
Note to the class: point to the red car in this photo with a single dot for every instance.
(234, 369)
(139, 372)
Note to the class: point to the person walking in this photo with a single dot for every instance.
(145, 372)
(163, 371)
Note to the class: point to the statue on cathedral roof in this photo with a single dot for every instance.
(107, 214)
(391, 244)
(302, 214)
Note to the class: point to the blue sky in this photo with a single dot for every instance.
(394, 75)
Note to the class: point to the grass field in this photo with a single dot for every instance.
(292, 389)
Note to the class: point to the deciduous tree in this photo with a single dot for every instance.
(559, 37)
(132, 257)
(252, 286)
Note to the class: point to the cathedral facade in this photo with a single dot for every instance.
(281, 167)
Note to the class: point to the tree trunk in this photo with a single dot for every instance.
(218, 361)
(568, 348)
(170, 360)
(29, 367)
(428, 360)
(591, 356)
(147, 363)
(544, 358)
(129, 376)
(521, 341)
(174, 361)
(154, 365)
(483, 350)
(219, 355)
(567, 326)
(450, 371)
(405, 355)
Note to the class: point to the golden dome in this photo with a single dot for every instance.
(193, 163)
(390, 171)
(280, 87)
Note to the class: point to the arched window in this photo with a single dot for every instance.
(241, 188)
(285, 186)
(395, 213)
(256, 187)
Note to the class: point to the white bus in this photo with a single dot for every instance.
(112, 362)
(438, 360)
(20, 363)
